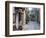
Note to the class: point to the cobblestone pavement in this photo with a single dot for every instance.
(32, 25)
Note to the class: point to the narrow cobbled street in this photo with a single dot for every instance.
(32, 25)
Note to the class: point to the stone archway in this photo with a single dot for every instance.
(19, 18)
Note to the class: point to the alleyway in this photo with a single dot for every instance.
(32, 25)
